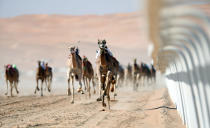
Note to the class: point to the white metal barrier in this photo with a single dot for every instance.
(183, 37)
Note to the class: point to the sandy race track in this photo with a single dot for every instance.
(147, 108)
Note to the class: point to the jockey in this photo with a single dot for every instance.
(43, 65)
(77, 51)
(105, 46)
(14, 66)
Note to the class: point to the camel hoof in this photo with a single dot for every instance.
(17, 92)
(104, 104)
(80, 90)
(98, 99)
(103, 109)
(41, 95)
(72, 102)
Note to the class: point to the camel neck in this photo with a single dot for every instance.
(74, 60)
(103, 59)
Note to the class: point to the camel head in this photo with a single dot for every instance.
(84, 60)
(102, 44)
(72, 49)
(39, 63)
(46, 64)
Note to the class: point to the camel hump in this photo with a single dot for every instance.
(49, 68)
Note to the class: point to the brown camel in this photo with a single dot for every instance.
(40, 75)
(74, 71)
(49, 76)
(106, 63)
(153, 73)
(11, 76)
(88, 74)
(136, 74)
(128, 73)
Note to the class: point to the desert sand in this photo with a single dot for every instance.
(142, 109)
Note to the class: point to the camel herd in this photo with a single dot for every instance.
(109, 74)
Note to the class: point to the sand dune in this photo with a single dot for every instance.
(28, 37)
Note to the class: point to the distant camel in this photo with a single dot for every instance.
(40, 75)
(74, 71)
(49, 76)
(135, 74)
(152, 73)
(128, 74)
(145, 72)
(106, 63)
(121, 76)
(11, 75)
(88, 74)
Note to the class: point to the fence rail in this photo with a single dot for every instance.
(180, 32)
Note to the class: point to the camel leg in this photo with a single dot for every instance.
(72, 80)
(7, 87)
(109, 79)
(88, 86)
(46, 84)
(11, 88)
(103, 103)
(15, 83)
(69, 89)
(134, 82)
(80, 84)
(99, 89)
(37, 86)
(108, 99)
(94, 86)
(49, 84)
(115, 93)
(137, 81)
(84, 82)
(108, 95)
(42, 87)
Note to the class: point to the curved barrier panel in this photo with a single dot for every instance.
(180, 31)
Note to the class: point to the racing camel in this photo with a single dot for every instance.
(43, 74)
(88, 74)
(128, 74)
(40, 75)
(11, 76)
(74, 71)
(136, 74)
(48, 76)
(107, 71)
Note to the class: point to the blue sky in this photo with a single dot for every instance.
(10, 8)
